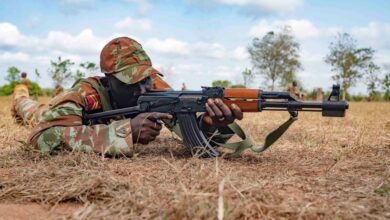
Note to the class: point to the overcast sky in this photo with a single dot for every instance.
(191, 41)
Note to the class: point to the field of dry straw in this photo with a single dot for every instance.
(322, 168)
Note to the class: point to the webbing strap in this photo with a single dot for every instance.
(247, 142)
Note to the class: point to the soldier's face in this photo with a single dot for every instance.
(126, 95)
(144, 85)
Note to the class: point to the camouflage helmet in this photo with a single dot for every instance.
(126, 60)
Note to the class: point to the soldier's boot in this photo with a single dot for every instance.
(20, 92)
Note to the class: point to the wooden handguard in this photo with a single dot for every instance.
(246, 99)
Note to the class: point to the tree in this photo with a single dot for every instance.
(79, 75)
(13, 75)
(37, 73)
(60, 71)
(372, 80)
(222, 83)
(386, 87)
(248, 77)
(87, 68)
(348, 62)
(276, 56)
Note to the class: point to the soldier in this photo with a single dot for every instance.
(293, 88)
(19, 91)
(183, 87)
(128, 74)
(319, 94)
(24, 80)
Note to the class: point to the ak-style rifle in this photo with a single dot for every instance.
(184, 105)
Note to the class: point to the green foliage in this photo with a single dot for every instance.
(349, 62)
(226, 84)
(311, 95)
(386, 96)
(85, 69)
(89, 66)
(222, 83)
(372, 81)
(276, 56)
(386, 87)
(34, 89)
(356, 98)
(48, 92)
(237, 86)
(79, 75)
(13, 75)
(248, 76)
(60, 71)
(37, 73)
(386, 82)
(7, 89)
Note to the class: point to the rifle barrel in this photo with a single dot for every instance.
(328, 108)
(291, 105)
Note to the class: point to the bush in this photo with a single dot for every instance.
(311, 95)
(33, 88)
(237, 86)
(48, 92)
(375, 96)
(386, 96)
(356, 98)
(7, 90)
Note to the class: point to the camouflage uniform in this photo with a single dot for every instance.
(294, 89)
(25, 81)
(59, 125)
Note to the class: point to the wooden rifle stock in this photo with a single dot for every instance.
(246, 99)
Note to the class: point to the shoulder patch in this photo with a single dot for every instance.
(93, 102)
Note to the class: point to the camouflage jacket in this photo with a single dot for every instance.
(60, 126)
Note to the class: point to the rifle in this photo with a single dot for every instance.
(184, 105)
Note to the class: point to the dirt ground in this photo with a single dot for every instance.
(322, 168)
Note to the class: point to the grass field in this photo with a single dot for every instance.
(322, 168)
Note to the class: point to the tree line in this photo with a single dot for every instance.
(60, 72)
(275, 56)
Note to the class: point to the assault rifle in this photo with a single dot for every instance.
(184, 105)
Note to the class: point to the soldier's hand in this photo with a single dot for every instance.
(219, 114)
(146, 127)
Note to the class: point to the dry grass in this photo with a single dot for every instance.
(322, 168)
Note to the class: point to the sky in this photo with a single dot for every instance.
(191, 41)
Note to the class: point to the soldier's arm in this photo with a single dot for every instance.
(220, 134)
(112, 139)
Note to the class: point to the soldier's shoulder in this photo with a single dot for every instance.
(82, 93)
(86, 86)
(87, 89)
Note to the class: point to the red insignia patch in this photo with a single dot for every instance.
(93, 102)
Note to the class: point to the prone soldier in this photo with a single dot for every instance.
(128, 74)
(23, 79)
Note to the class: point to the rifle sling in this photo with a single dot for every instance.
(247, 141)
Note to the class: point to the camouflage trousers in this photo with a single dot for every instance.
(25, 110)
